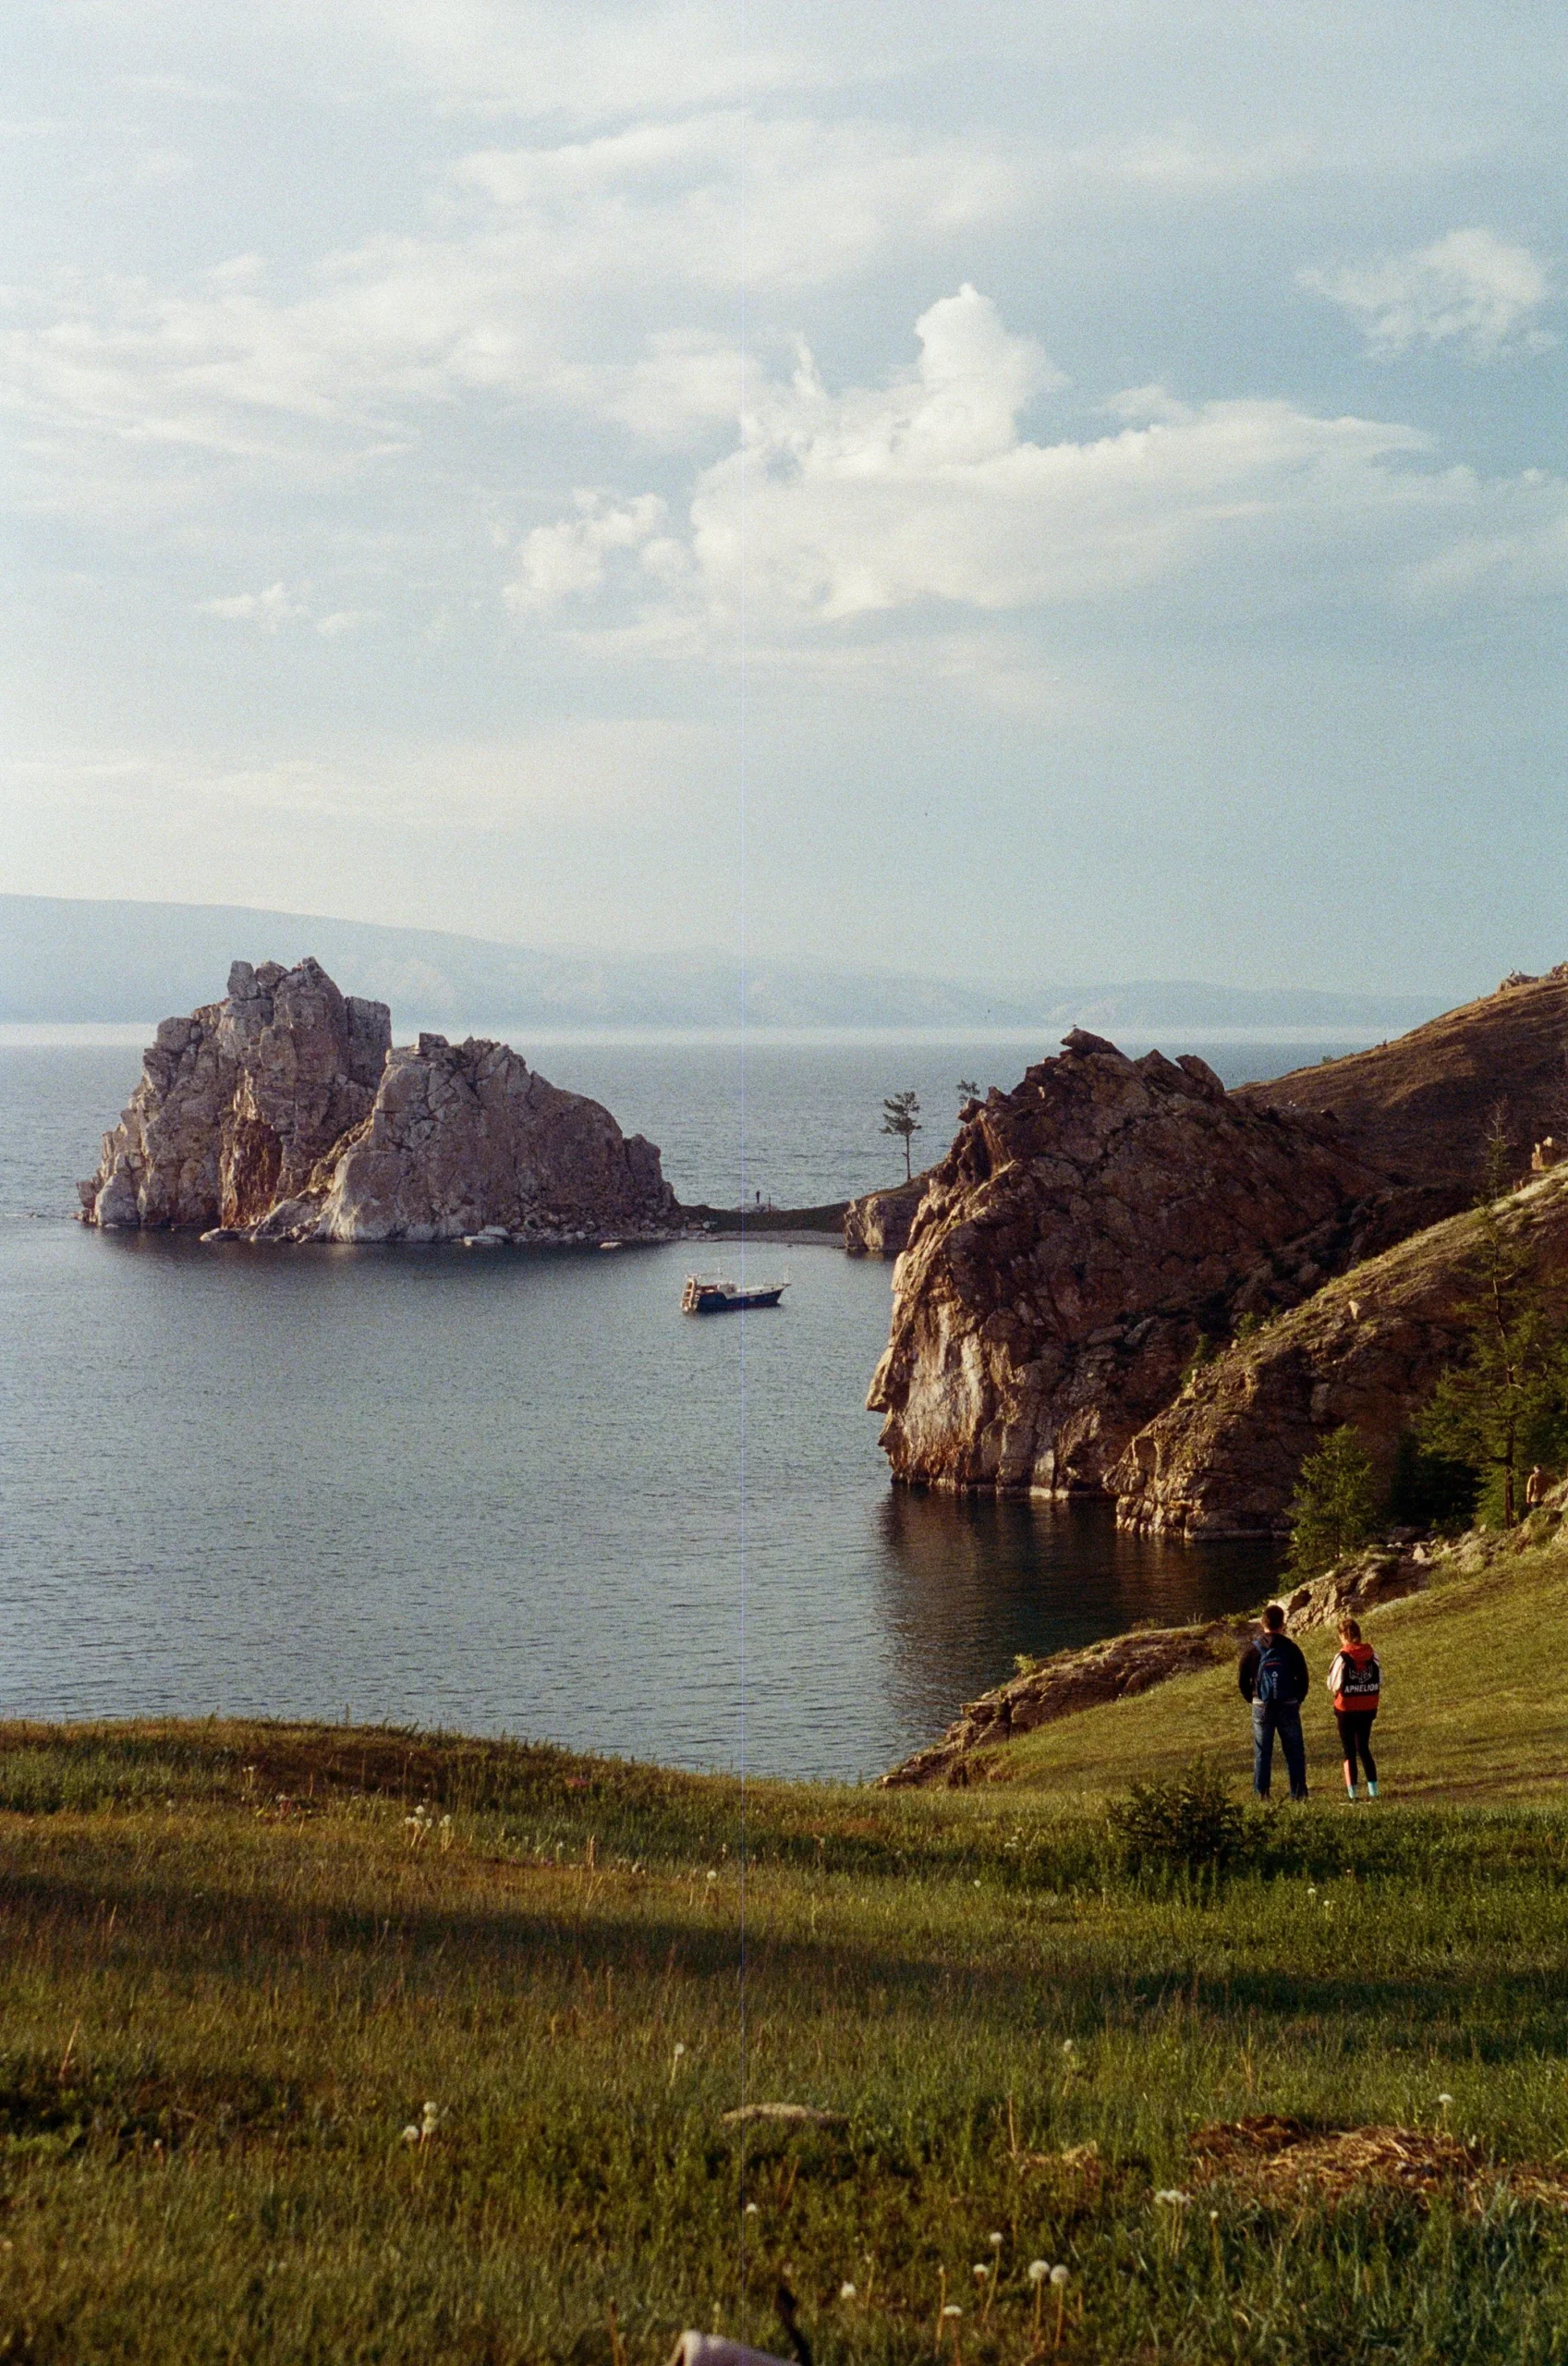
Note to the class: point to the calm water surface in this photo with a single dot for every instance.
(519, 1492)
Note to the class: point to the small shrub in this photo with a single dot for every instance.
(1202, 1353)
(1186, 1821)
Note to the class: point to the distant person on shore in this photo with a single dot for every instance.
(1273, 1677)
(1355, 1681)
(1536, 1487)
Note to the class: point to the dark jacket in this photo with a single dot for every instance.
(1297, 1680)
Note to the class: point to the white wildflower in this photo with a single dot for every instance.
(846, 2291)
(1059, 2274)
(1039, 2270)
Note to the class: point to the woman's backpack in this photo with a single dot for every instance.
(1361, 1679)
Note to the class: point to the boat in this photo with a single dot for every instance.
(720, 1297)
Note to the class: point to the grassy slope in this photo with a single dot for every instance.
(218, 2010)
(1476, 1706)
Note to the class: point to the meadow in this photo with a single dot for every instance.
(318, 2044)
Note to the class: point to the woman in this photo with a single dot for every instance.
(1355, 1680)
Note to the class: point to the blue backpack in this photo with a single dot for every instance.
(1276, 1678)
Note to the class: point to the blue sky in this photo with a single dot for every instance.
(1014, 492)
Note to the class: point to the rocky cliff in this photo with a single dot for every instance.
(1222, 1459)
(1417, 1107)
(1083, 1233)
(282, 1113)
(237, 1103)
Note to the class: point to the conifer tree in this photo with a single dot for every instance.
(1335, 1504)
(901, 1116)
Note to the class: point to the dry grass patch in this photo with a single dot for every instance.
(1285, 2160)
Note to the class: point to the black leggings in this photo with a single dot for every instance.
(1356, 1734)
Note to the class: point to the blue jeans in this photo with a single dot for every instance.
(1282, 1717)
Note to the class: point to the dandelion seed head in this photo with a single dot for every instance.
(980, 2270)
(751, 2210)
(679, 2049)
(846, 2291)
(952, 2310)
(1039, 2270)
(411, 2134)
(1445, 2099)
(994, 2239)
(1059, 2274)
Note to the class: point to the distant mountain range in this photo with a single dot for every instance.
(79, 961)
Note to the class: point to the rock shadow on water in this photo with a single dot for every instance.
(969, 1582)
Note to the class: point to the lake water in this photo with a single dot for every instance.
(520, 1493)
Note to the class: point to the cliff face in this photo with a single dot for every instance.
(238, 1103)
(1418, 1106)
(1222, 1459)
(1082, 1233)
(284, 1114)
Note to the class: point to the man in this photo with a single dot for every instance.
(1273, 1675)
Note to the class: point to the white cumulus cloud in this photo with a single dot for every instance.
(1470, 291)
(925, 493)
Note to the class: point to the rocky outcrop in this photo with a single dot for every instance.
(282, 1113)
(1224, 1459)
(1086, 1232)
(237, 1103)
(877, 1224)
(1418, 1106)
(465, 1140)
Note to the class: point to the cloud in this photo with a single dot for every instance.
(272, 609)
(567, 560)
(923, 497)
(276, 606)
(1469, 291)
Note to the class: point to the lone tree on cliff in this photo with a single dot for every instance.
(1335, 1504)
(901, 1116)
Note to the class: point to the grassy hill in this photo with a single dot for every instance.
(1475, 1704)
(239, 1961)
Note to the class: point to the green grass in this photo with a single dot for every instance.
(219, 2009)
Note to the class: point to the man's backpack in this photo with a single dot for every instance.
(1276, 1672)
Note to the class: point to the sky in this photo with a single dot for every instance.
(1012, 492)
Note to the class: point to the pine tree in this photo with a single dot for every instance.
(1335, 1504)
(901, 1116)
